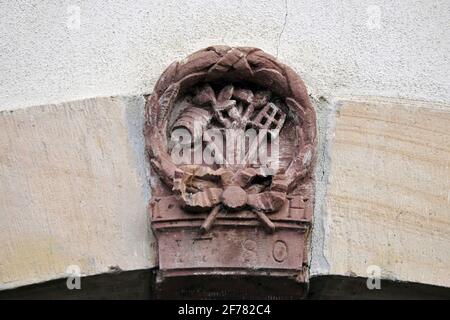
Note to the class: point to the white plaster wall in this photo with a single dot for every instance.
(121, 48)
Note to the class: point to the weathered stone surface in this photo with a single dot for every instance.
(214, 234)
(359, 47)
(73, 190)
(388, 201)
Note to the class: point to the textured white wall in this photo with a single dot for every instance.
(121, 48)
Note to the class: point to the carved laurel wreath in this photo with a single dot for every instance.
(243, 64)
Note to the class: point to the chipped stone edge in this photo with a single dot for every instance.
(326, 115)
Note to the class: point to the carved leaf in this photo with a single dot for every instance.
(225, 94)
(261, 99)
(166, 102)
(243, 95)
(205, 95)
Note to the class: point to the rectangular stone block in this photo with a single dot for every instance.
(388, 201)
(73, 190)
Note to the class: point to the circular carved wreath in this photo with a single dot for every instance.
(231, 65)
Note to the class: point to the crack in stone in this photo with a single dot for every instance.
(284, 26)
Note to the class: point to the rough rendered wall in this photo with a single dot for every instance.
(389, 48)
(73, 179)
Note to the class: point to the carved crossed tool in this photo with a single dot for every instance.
(209, 221)
(234, 197)
(227, 102)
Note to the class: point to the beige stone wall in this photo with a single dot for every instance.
(73, 190)
(388, 198)
(75, 187)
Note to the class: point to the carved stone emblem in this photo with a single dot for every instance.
(231, 134)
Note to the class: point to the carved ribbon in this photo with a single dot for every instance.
(202, 188)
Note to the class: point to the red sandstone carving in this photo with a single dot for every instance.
(227, 88)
